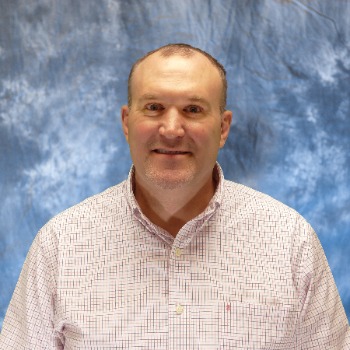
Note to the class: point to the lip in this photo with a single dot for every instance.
(169, 152)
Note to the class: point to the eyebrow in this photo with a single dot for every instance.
(200, 100)
(193, 98)
(148, 97)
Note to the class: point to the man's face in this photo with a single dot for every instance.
(174, 126)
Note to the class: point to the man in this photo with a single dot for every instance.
(176, 257)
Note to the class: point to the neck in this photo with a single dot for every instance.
(171, 209)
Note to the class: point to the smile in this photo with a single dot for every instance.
(169, 152)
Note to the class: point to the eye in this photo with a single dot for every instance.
(193, 109)
(154, 107)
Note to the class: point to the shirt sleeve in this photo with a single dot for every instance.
(29, 321)
(323, 322)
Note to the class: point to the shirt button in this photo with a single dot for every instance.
(179, 309)
(178, 252)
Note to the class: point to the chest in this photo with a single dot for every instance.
(207, 295)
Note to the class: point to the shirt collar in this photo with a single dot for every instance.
(213, 205)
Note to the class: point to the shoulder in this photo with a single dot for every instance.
(245, 198)
(96, 206)
(258, 207)
(96, 211)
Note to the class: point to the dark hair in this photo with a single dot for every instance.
(187, 51)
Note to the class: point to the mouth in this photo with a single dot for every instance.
(169, 152)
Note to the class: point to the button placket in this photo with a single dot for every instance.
(179, 294)
(178, 252)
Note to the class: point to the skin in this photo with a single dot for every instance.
(175, 129)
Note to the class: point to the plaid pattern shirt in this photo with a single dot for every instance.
(247, 273)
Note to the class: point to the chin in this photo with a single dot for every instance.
(169, 181)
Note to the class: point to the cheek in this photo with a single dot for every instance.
(140, 132)
(209, 134)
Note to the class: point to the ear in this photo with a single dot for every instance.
(226, 119)
(125, 121)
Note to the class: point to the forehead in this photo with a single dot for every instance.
(177, 72)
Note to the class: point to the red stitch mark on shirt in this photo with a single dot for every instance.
(228, 307)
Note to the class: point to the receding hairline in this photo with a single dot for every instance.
(183, 50)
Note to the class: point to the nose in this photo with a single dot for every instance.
(172, 124)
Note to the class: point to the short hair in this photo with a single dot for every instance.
(186, 51)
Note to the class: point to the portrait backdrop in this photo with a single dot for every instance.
(64, 66)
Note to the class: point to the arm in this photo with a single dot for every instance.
(29, 321)
(323, 323)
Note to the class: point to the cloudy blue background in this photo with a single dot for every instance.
(63, 76)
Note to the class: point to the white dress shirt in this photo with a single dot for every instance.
(247, 273)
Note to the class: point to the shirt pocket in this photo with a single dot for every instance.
(245, 325)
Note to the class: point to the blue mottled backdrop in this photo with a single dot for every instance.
(63, 78)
